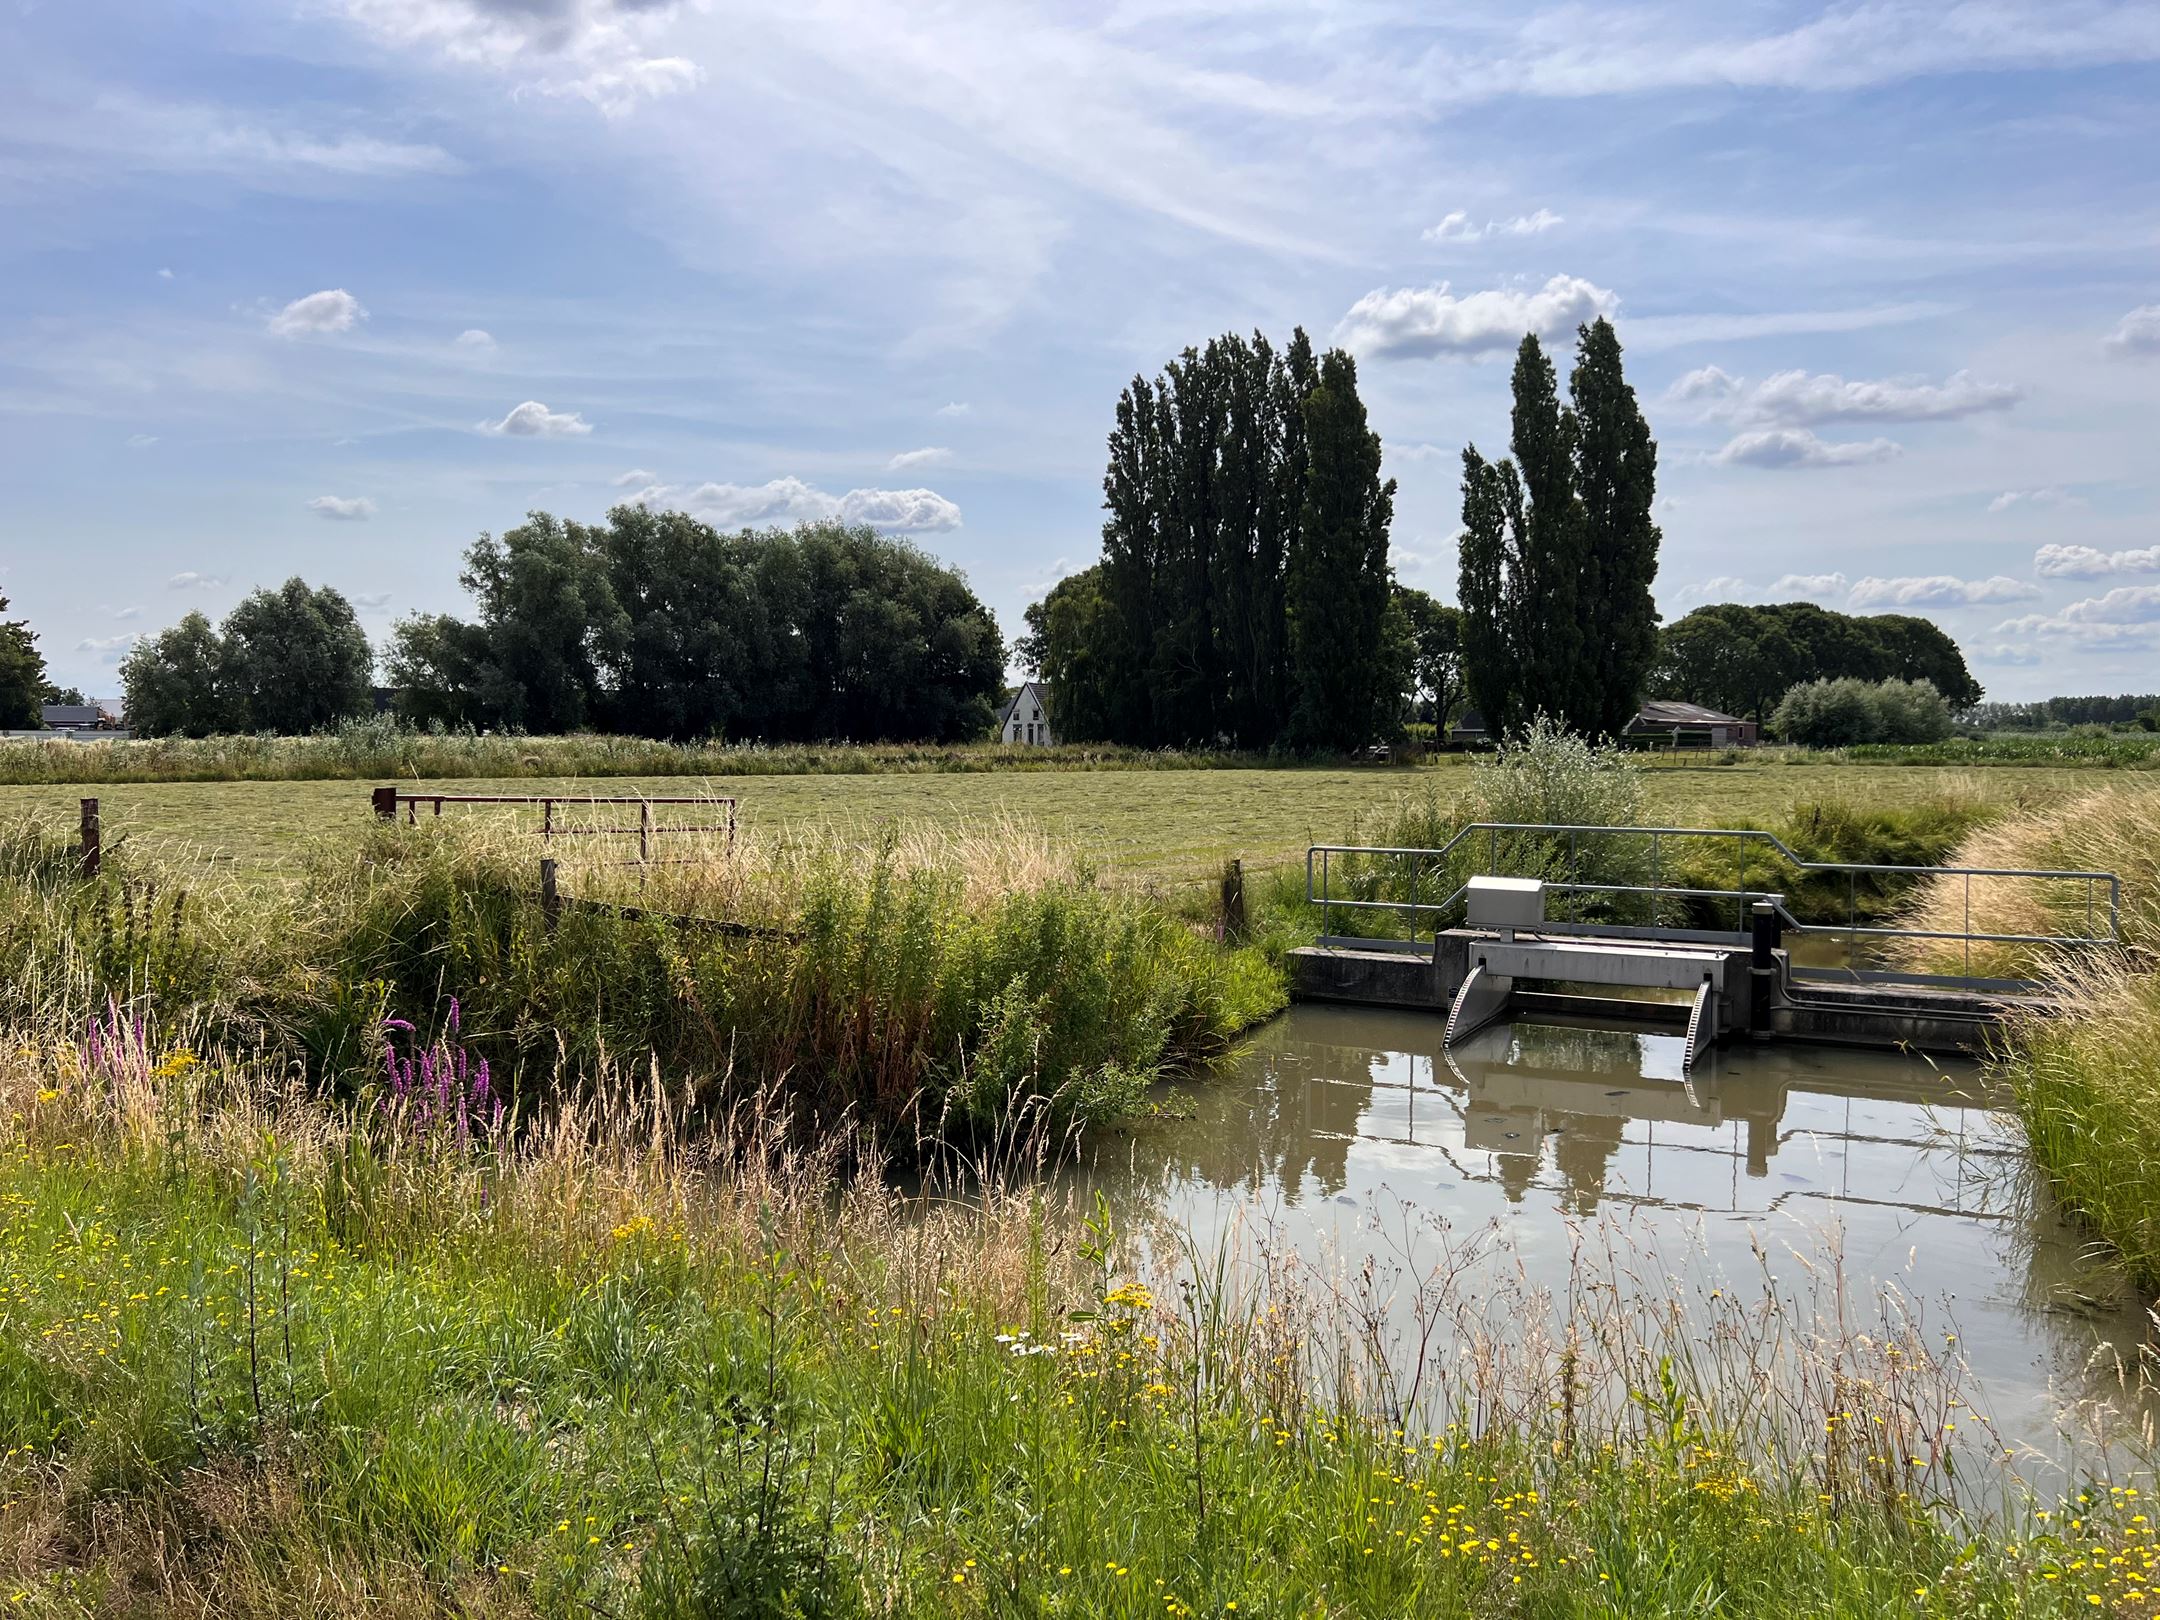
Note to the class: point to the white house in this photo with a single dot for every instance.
(1027, 718)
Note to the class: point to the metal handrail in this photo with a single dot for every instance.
(1318, 856)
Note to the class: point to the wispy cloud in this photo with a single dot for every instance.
(475, 340)
(342, 508)
(2050, 495)
(929, 456)
(2087, 562)
(635, 478)
(1939, 590)
(1456, 227)
(958, 407)
(192, 581)
(533, 420)
(1800, 399)
(1414, 323)
(331, 310)
(1782, 448)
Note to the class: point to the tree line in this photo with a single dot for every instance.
(1744, 658)
(650, 624)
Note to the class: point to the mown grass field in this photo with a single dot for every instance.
(1159, 823)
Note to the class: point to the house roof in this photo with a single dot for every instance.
(1665, 712)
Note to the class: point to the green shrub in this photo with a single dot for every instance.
(1847, 711)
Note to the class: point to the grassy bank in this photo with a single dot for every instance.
(934, 987)
(2088, 1081)
(269, 1359)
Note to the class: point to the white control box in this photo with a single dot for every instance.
(1507, 903)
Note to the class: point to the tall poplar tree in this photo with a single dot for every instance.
(1338, 583)
(1558, 551)
(1616, 478)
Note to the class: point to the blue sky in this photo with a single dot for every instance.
(329, 286)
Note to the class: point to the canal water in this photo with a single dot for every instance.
(1346, 1136)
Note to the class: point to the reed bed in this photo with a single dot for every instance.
(274, 1357)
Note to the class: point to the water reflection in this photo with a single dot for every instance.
(1905, 1167)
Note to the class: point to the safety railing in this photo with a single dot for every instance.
(388, 801)
(1560, 852)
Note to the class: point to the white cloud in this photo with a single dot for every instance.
(1456, 227)
(598, 50)
(1418, 452)
(617, 89)
(929, 456)
(786, 501)
(127, 613)
(141, 441)
(2085, 562)
(192, 581)
(342, 508)
(106, 644)
(533, 420)
(1813, 587)
(635, 478)
(2127, 616)
(1939, 590)
(1796, 447)
(1800, 399)
(1419, 322)
(2137, 332)
(332, 310)
(1705, 382)
(475, 339)
(958, 407)
(165, 275)
(1724, 588)
(2015, 655)
(2051, 495)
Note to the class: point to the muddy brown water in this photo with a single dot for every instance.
(1342, 1132)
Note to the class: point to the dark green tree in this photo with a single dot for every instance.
(294, 660)
(1065, 648)
(1434, 633)
(1558, 552)
(1616, 479)
(1743, 658)
(22, 674)
(173, 684)
(1337, 582)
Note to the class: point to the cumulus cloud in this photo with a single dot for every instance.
(106, 645)
(2086, 562)
(1797, 447)
(342, 508)
(786, 501)
(2137, 332)
(1939, 590)
(1705, 382)
(2051, 495)
(635, 478)
(1411, 323)
(331, 310)
(475, 339)
(1456, 227)
(192, 581)
(929, 456)
(1723, 588)
(958, 407)
(1805, 399)
(1811, 587)
(533, 420)
(2013, 654)
(2127, 616)
(600, 50)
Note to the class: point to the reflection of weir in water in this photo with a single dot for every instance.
(1497, 1108)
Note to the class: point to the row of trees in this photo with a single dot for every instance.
(1244, 592)
(657, 625)
(1558, 550)
(293, 659)
(2122, 709)
(1744, 658)
(651, 624)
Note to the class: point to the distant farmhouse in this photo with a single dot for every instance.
(1657, 724)
(1027, 718)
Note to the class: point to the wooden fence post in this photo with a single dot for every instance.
(1233, 902)
(93, 849)
(550, 900)
(386, 803)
